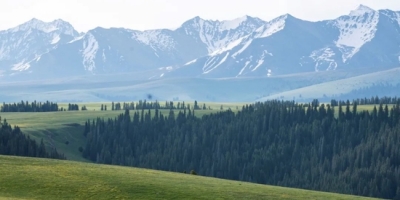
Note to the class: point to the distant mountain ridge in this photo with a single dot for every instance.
(243, 59)
(246, 46)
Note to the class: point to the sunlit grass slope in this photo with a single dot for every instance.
(33, 178)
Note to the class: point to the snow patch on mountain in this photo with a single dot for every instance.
(259, 63)
(219, 36)
(272, 27)
(265, 30)
(156, 39)
(103, 56)
(269, 72)
(55, 39)
(232, 24)
(355, 30)
(21, 66)
(206, 38)
(76, 39)
(90, 48)
(261, 60)
(324, 56)
(35, 24)
(209, 67)
(361, 10)
(228, 47)
(190, 62)
(58, 26)
(244, 47)
(244, 68)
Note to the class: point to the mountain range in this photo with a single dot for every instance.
(365, 41)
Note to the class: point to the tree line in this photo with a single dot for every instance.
(143, 104)
(14, 142)
(25, 106)
(275, 142)
(368, 101)
(30, 107)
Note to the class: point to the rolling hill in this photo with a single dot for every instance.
(33, 178)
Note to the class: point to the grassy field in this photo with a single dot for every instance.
(59, 128)
(33, 178)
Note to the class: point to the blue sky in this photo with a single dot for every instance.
(152, 14)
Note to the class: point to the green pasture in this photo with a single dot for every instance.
(34, 178)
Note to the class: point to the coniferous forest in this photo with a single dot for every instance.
(312, 146)
(29, 107)
(14, 142)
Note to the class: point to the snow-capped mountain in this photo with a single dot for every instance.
(364, 38)
(246, 46)
(26, 43)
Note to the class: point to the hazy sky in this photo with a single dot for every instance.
(151, 14)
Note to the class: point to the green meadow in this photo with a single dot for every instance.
(35, 178)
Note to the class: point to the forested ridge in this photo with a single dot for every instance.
(312, 146)
(14, 142)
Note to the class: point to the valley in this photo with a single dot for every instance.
(339, 84)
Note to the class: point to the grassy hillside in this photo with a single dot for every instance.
(33, 178)
(59, 128)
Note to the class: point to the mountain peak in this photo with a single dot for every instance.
(222, 25)
(361, 10)
(273, 26)
(34, 23)
(364, 7)
(58, 25)
(59, 21)
(195, 19)
(234, 23)
(33, 20)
